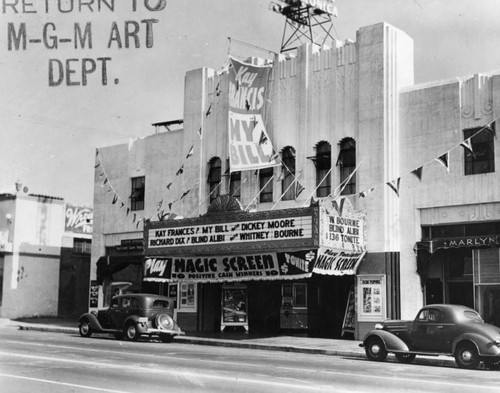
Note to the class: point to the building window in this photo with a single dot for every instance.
(266, 184)
(235, 185)
(482, 157)
(323, 161)
(347, 164)
(214, 177)
(137, 195)
(288, 173)
(82, 246)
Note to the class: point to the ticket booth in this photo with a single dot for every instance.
(294, 311)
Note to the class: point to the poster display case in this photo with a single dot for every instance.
(372, 297)
(234, 306)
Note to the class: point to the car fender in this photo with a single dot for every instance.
(392, 342)
(485, 346)
(94, 322)
(141, 327)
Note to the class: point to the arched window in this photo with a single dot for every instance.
(347, 164)
(214, 177)
(323, 161)
(288, 173)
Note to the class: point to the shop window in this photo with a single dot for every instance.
(137, 195)
(82, 246)
(323, 161)
(214, 177)
(347, 164)
(300, 295)
(288, 171)
(482, 157)
(266, 184)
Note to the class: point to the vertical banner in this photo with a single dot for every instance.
(249, 144)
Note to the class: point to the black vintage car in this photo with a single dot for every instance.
(438, 329)
(131, 316)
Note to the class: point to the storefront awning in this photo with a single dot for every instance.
(108, 265)
(337, 263)
(431, 246)
(232, 268)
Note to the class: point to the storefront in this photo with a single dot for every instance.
(263, 272)
(460, 264)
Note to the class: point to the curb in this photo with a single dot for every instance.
(421, 360)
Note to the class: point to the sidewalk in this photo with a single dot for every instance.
(311, 345)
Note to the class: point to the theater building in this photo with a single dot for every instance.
(318, 192)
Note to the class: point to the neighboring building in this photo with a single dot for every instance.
(44, 256)
(345, 115)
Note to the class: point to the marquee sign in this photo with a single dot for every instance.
(341, 228)
(244, 267)
(262, 230)
(337, 263)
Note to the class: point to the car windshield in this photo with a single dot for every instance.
(160, 303)
(473, 316)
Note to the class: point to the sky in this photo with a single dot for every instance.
(52, 118)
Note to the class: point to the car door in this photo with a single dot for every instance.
(120, 313)
(429, 331)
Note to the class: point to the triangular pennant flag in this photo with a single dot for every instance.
(128, 210)
(443, 160)
(394, 184)
(491, 128)
(105, 181)
(122, 204)
(281, 175)
(190, 152)
(209, 110)
(158, 205)
(169, 185)
(115, 198)
(247, 105)
(418, 172)
(101, 174)
(339, 206)
(363, 194)
(199, 131)
(170, 205)
(467, 145)
(181, 170)
(298, 189)
(217, 91)
(263, 138)
(133, 219)
(97, 165)
(184, 194)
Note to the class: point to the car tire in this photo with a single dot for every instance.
(405, 357)
(131, 333)
(84, 328)
(375, 349)
(166, 338)
(492, 364)
(164, 321)
(466, 356)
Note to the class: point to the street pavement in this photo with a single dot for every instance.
(301, 344)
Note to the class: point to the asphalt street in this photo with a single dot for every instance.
(34, 361)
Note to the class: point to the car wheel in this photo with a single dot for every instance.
(375, 349)
(166, 338)
(405, 357)
(466, 356)
(131, 333)
(84, 328)
(164, 321)
(492, 364)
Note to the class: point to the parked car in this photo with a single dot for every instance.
(133, 315)
(438, 329)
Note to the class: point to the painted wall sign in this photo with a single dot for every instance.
(78, 219)
(341, 228)
(232, 234)
(265, 266)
